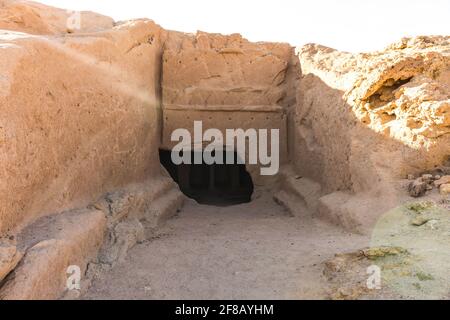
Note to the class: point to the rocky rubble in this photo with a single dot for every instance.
(419, 187)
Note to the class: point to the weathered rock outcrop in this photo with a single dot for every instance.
(404, 92)
(35, 18)
(366, 120)
(9, 257)
(226, 82)
(214, 70)
(79, 117)
(52, 245)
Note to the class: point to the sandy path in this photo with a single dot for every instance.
(251, 251)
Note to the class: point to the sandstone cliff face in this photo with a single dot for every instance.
(404, 91)
(35, 18)
(226, 82)
(370, 119)
(81, 121)
(216, 70)
(79, 117)
(401, 94)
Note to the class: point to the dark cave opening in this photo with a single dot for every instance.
(216, 184)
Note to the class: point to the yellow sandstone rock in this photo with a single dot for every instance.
(445, 189)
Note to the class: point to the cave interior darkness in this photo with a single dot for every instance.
(217, 184)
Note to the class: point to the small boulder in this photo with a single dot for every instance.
(427, 178)
(419, 221)
(124, 236)
(417, 188)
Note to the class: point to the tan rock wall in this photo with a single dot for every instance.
(366, 121)
(226, 82)
(175, 118)
(80, 117)
(81, 108)
(35, 18)
(373, 116)
(52, 245)
(211, 70)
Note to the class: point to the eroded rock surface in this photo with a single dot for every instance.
(365, 121)
(52, 245)
(404, 91)
(82, 120)
(215, 70)
(79, 118)
(35, 18)
(9, 257)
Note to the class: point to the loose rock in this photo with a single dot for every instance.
(419, 221)
(427, 178)
(417, 188)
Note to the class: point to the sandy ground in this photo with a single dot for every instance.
(251, 251)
